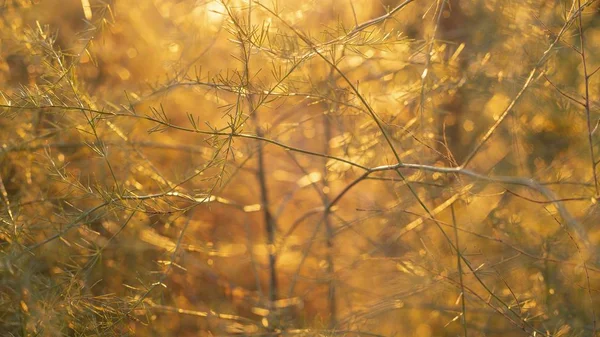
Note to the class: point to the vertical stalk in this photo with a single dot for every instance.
(590, 138)
(460, 272)
(267, 217)
(262, 181)
(329, 229)
(587, 98)
(331, 294)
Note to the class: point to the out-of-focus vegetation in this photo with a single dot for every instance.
(311, 168)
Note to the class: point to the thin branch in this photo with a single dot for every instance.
(560, 91)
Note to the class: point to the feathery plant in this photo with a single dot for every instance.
(357, 168)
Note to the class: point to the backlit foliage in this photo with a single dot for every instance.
(312, 168)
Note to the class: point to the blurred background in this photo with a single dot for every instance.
(226, 167)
